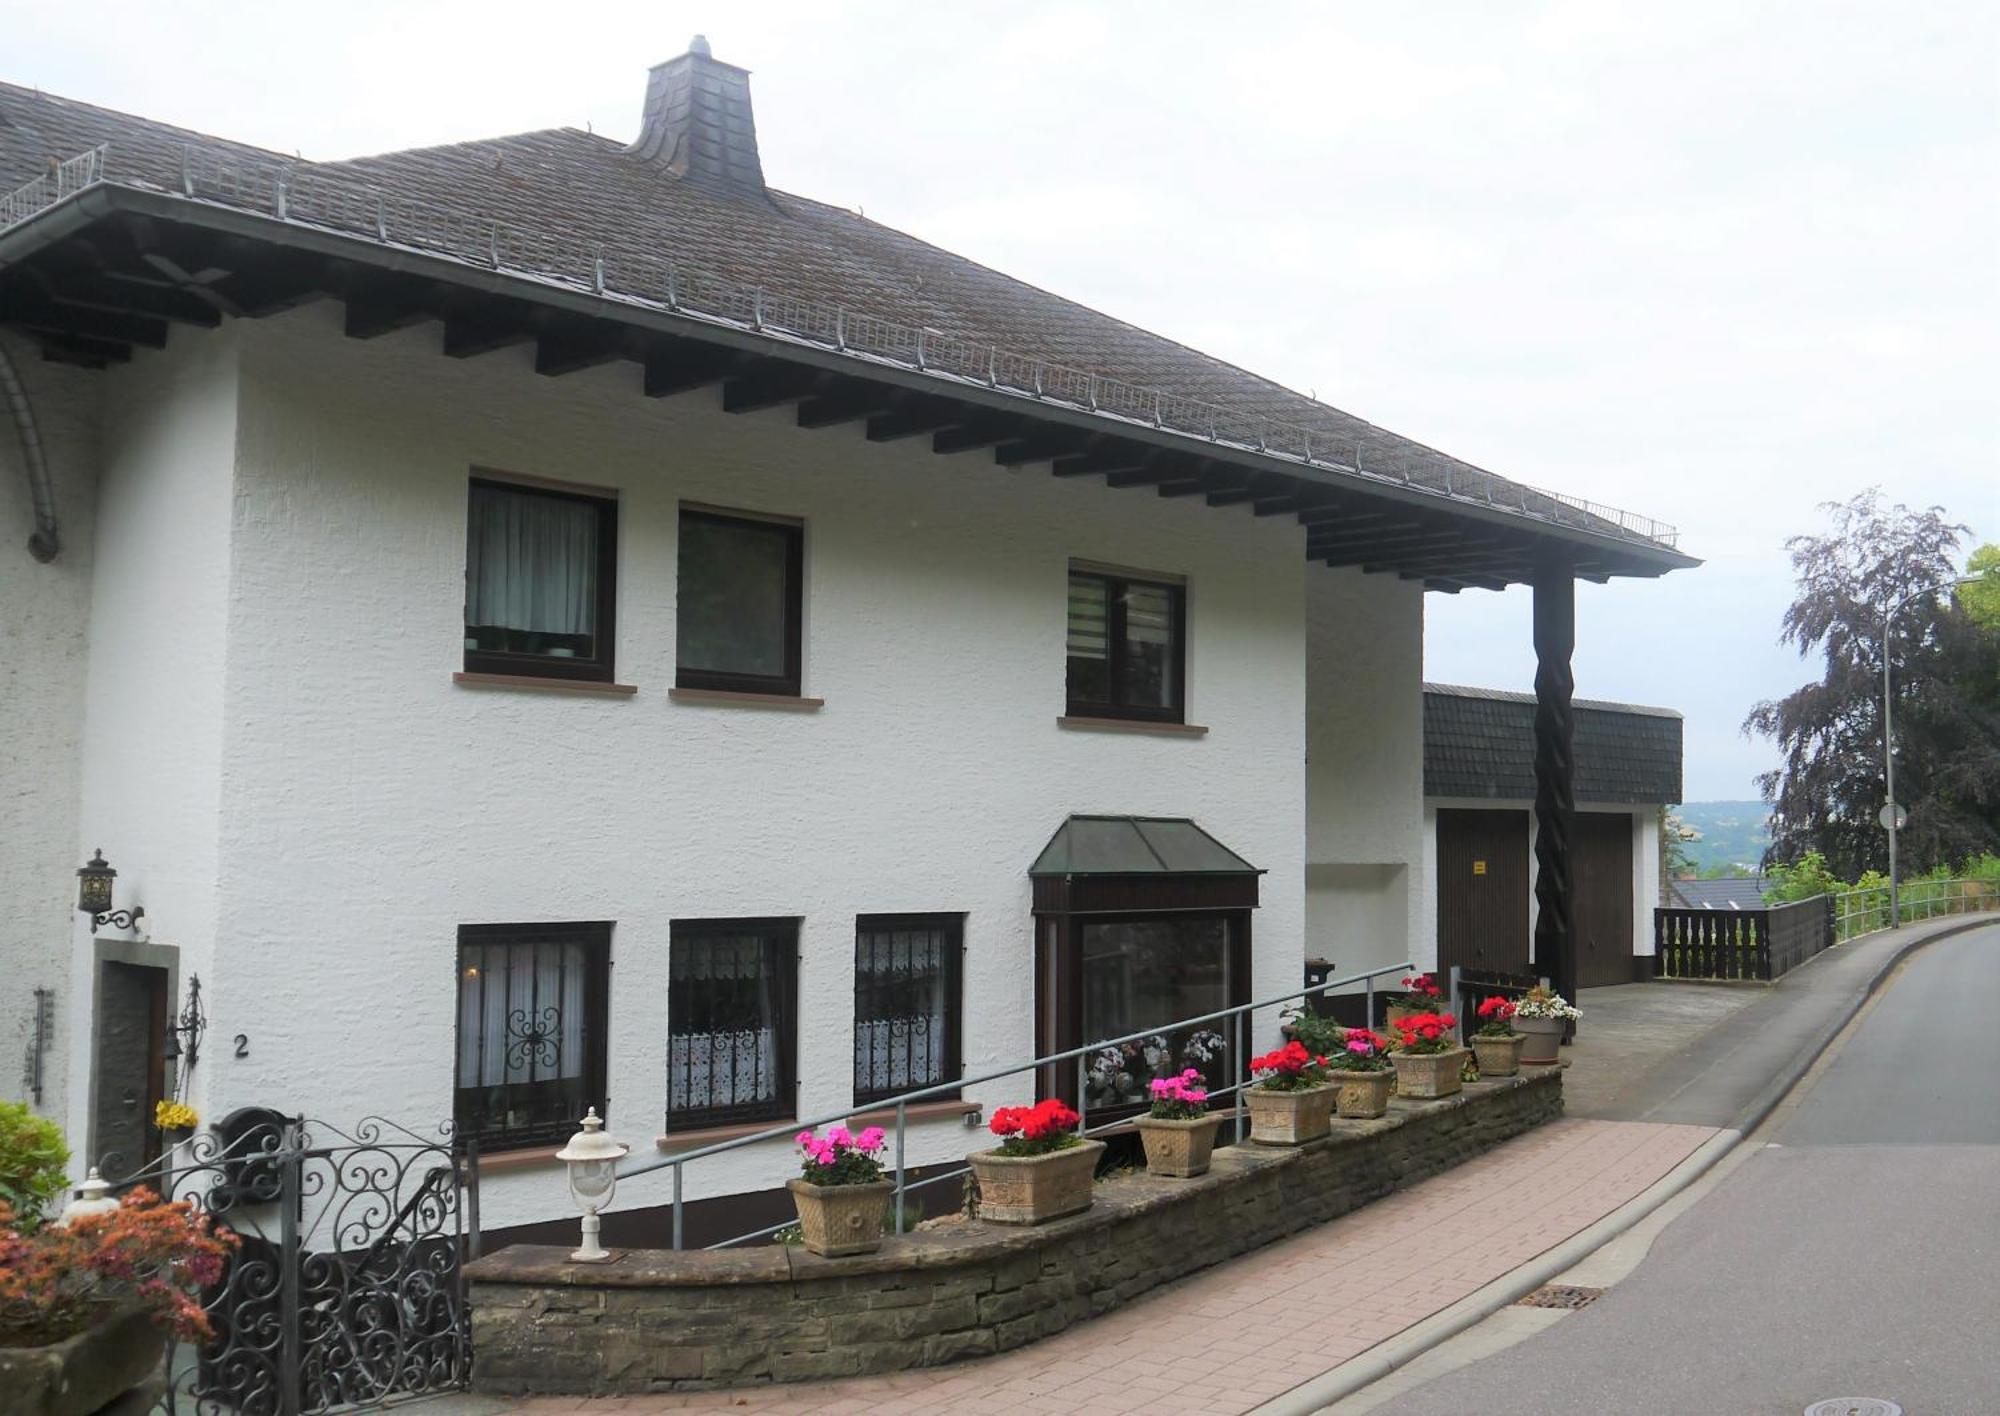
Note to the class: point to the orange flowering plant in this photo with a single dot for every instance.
(147, 1254)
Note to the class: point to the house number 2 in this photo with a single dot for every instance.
(243, 1044)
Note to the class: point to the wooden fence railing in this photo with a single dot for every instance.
(1757, 944)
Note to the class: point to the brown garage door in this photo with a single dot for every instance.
(1602, 854)
(1483, 890)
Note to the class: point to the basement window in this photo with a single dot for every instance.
(732, 986)
(531, 1029)
(540, 578)
(906, 1003)
(1127, 650)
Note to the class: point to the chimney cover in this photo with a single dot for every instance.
(698, 125)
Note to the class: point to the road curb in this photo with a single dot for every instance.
(1379, 1361)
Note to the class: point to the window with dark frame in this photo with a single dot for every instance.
(741, 603)
(731, 1021)
(1127, 647)
(906, 1003)
(531, 1030)
(541, 573)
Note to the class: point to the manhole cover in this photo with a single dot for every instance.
(1563, 1295)
(1854, 1406)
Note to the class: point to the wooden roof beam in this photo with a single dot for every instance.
(681, 366)
(849, 402)
(773, 384)
(975, 431)
(570, 348)
(914, 419)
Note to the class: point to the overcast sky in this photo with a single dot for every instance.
(1715, 261)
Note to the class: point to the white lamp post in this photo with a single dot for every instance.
(1892, 815)
(93, 1196)
(592, 1158)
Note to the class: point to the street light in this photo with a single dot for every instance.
(1892, 816)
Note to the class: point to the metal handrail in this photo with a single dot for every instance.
(306, 194)
(1868, 909)
(901, 1101)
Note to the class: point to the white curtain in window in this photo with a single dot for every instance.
(531, 562)
(906, 970)
(520, 1013)
(713, 1070)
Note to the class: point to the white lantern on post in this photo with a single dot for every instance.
(592, 1158)
(93, 1196)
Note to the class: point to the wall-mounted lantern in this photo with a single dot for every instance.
(592, 1158)
(93, 896)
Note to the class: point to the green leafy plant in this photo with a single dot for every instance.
(32, 1158)
(1318, 1034)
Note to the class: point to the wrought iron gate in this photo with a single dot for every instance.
(347, 1288)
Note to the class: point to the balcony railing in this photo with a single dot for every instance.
(1236, 1021)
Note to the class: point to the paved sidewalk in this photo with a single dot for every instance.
(1232, 1337)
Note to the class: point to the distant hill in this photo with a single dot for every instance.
(1733, 833)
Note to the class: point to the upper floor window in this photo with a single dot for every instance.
(1127, 647)
(731, 989)
(741, 603)
(906, 1002)
(531, 1029)
(540, 577)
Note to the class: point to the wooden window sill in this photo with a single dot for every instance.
(523, 1158)
(710, 1135)
(560, 685)
(728, 698)
(915, 1111)
(1131, 725)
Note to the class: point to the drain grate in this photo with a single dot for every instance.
(1854, 1406)
(1561, 1295)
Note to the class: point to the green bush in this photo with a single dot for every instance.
(32, 1157)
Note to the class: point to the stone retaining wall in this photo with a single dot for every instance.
(655, 1320)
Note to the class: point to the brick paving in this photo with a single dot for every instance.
(1234, 1336)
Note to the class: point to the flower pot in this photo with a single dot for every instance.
(1540, 1038)
(1290, 1118)
(1363, 1096)
(83, 1373)
(842, 1219)
(1498, 1056)
(1426, 1076)
(1178, 1148)
(1032, 1189)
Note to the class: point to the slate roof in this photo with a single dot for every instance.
(1736, 892)
(584, 189)
(1480, 742)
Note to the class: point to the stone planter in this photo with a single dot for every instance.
(1290, 1118)
(1032, 1189)
(839, 1220)
(84, 1373)
(1426, 1076)
(1363, 1096)
(1178, 1148)
(1497, 1056)
(1540, 1039)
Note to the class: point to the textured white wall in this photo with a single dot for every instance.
(1364, 771)
(153, 719)
(369, 805)
(44, 617)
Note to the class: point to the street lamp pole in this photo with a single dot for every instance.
(1889, 809)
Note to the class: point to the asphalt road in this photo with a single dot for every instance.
(1855, 1254)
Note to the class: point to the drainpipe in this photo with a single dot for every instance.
(43, 542)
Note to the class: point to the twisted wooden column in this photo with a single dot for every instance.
(1555, 780)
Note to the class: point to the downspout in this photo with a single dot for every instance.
(43, 542)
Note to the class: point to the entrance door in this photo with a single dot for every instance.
(1601, 856)
(1483, 891)
(130, 1066)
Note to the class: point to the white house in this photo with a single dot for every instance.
(550, 622)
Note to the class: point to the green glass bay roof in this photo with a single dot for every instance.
(1136, 845)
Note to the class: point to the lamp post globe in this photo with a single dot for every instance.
(592, 1159)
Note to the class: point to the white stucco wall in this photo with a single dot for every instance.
(369, 806)
(44, 619)
(1365, 870)
(153, 719)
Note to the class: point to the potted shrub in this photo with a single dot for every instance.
(1041, 1170)
(87, 1303)
(1542, 1017)
(1496, 1046)
(32, 1157)
(1292, 1102)
(1420, 995)
(1179, 1132)
(1428, 1058)
(1363, 1075)
(841, 1196)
